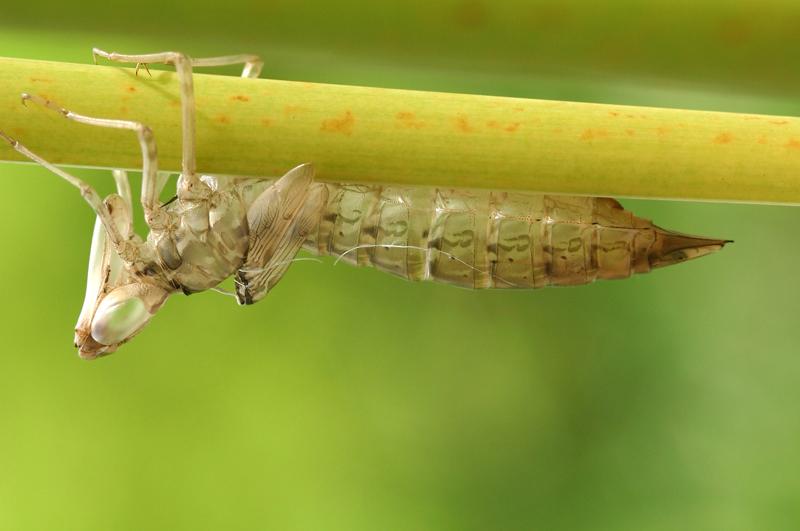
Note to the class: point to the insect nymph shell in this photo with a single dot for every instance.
(475, 239)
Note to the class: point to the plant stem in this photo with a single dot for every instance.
(357, 134)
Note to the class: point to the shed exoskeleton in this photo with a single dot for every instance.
(219, 226)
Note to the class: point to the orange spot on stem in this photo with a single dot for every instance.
(407, 119)
(463, 124)
(591, 134)
(492, 124)
(343, 124)
(793, 143)
(295, 109)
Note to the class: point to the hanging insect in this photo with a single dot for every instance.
(220, 226)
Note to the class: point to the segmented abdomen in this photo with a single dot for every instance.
(482, 239)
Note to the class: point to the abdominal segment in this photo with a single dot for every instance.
(480, 239)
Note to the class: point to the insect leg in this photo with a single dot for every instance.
(123, 187)
(183, 67)
(252, 63)
(154, 215)
(122, 245)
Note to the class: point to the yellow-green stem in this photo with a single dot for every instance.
(358, 134)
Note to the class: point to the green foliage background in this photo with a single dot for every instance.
(349, 399)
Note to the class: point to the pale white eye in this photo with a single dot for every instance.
(119, 316)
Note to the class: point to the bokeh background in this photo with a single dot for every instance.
(349, 399)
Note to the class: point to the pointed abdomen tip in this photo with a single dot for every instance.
(673, 247)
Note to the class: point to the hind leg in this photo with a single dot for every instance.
(183, 66)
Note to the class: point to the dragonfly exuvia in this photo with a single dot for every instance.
(252, 228)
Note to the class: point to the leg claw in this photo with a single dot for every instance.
(139, 65)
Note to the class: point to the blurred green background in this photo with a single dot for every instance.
(349, 399)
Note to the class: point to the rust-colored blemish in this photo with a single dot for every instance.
(793, 143)
(407, 119)
(493, 124)
(518, 109)
(125, 99)
(629, 132)
(174, 103)
(343, 124)
(661, 131)
(130, 89)
(462, 124)
(613, 114)
(783, 122)
(762, 139)
(18, 131)
(240, 97)
(591, 134)
(266, 122)
(40, 80)
(221, 119)
(723, 138)
(124, 110)
(295, 109)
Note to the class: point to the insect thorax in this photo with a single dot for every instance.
(206, 238)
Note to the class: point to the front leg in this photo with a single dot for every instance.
(125, 247)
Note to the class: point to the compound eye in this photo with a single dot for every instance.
(124, 311)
